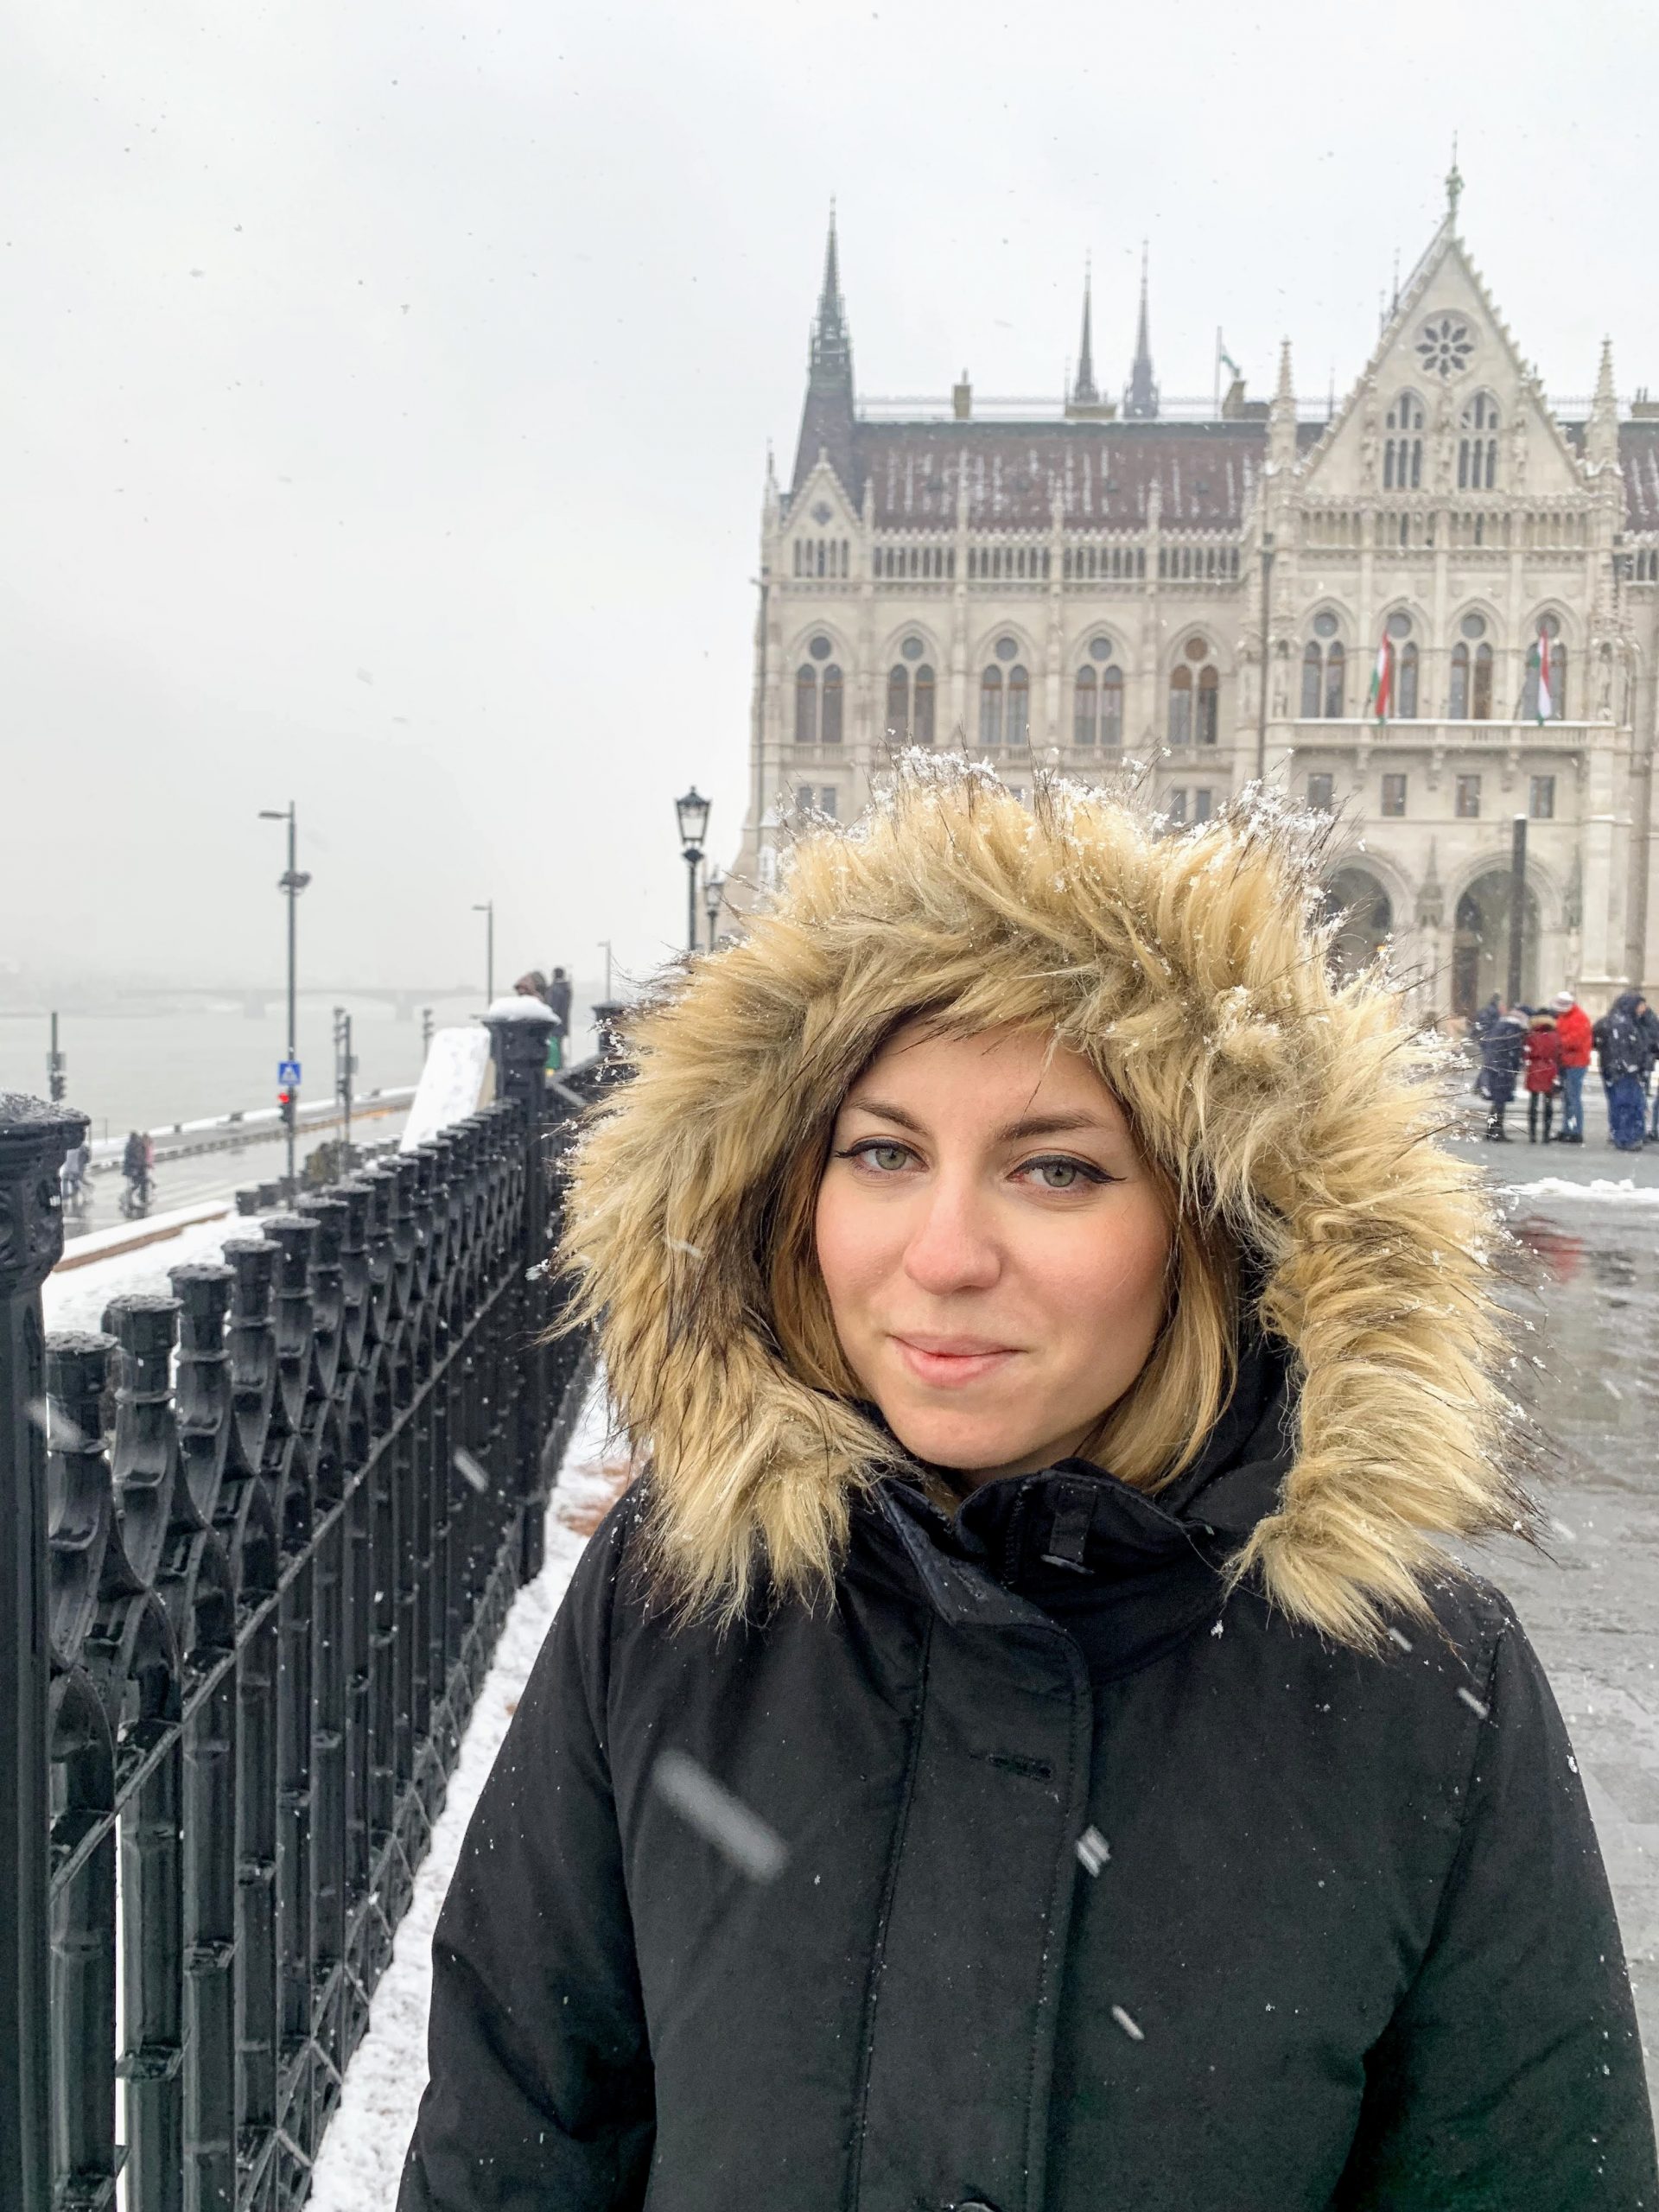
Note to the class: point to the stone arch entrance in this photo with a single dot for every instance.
(1480, 944)
(1366, 914)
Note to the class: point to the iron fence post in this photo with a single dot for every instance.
(33, 1139)
(519, 1043)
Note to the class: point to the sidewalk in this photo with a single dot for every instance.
(362, 2154)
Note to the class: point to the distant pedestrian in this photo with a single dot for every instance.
(1621, 1048)
(1502, 1051)
(1542, 1056)
(1572, 1026)
(1484, 1019)
(558, 997)
(1650, 1021)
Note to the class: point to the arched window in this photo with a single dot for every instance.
(1017, 718)
(1097, 698)
(1548, 625)
(921, 710)
(1085, 708)
(990, 707)
(1325, 672)
(1111, 707)
(1477, 447)
(898, 701)
(1194, 696)
(806, 704)
(1402, 449)
(829, 716)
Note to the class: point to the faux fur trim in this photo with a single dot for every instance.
(1188, 968)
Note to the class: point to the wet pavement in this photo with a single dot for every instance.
(1592, 1606)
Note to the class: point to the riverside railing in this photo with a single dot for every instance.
(258, 1540)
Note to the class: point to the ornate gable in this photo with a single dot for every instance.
(1446, 403)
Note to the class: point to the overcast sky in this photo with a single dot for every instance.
(385, 388)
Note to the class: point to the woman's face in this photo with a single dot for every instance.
(993, 1247)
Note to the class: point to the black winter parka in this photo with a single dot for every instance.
(1100, 1892)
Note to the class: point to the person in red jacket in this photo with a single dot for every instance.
(1574, 1029)
(1543, 1069)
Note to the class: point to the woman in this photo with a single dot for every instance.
(1543, 1072)
(1622, 1051)
(1023, 1745)
(1503, 1050)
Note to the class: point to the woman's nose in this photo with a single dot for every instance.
(951, 1247)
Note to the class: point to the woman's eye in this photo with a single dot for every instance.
(1062, 1174)
(886, 1159)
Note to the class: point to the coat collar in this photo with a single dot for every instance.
(1126, 1574)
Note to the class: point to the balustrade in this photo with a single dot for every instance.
(257, 1539)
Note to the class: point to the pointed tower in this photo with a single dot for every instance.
(1140, 393)
(1282, 416)
(1084, 401)
(1601, 431)
(1085, 391)
(827, 417)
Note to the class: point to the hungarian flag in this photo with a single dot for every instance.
(1538, 666)
(1380, 697)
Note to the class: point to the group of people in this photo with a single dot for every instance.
(1546, 1051)
(554, 992)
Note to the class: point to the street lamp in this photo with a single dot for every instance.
(713, 893)
(488, 911)
(291, 883)
(692, 814)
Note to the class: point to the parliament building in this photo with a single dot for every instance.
(1089, 586)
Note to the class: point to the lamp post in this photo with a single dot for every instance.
(714, 894)
(692, 814)
(291, 883)
(1517, 909)
(487, 909)
(1268, 543)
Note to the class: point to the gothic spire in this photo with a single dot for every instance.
(1140, 393)
(1282, 415)
(1601, 432)
(827, 418)
(1083, 392)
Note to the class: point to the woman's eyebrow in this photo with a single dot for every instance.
(1030, 1125)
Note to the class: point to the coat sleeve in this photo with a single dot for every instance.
(1510, 2078)
(540, 2091)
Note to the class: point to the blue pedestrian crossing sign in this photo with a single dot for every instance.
(288, 1072)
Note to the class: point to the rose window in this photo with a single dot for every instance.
(1446, 345)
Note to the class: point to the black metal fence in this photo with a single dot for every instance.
(257, 1541)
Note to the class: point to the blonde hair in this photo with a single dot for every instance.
(1160, 1424)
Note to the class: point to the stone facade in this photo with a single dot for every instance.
(1087, 590)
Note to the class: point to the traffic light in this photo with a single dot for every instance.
(285, 1100)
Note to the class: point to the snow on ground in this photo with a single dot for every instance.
(74, 1298)
(1599, 1186)
(362, 2154)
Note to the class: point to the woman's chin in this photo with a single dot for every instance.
(960, 1442)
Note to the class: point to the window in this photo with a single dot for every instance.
(910, 700)
(1470, 695)
(1321, 797)
(1394, 795)
(829, 711)
(1541, 798)
(1194, 697)
(1468, 797)
(1016, 721)
(1549, 626)
(1324, 672)
(807, 706)
(1404, 707)
(1098, 699)
(1402, 448)
(1175, 802)
(990, 707)
(1477, 447)
(1204, 800)
(817, 720)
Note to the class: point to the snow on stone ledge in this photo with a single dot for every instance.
(362, 2154)
(520, 1007)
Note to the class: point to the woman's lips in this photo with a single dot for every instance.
(947, 1367)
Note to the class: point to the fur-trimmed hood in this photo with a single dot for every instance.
(1189, 969)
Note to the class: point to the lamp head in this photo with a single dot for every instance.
(692, 812)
